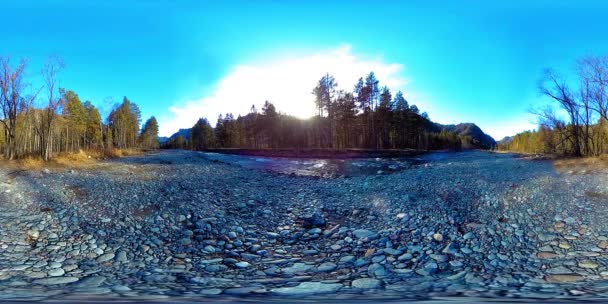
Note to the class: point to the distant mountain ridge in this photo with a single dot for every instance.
(506, 140)
(476, 137)
(185, 133)
(473, 137)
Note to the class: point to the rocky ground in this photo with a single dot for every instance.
(174, 224)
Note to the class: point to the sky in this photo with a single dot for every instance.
(459, 61)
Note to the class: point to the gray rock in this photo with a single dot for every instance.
(211, 291)
(55, 280)
(391, 251)
(56, 272)
(405, 257)
(159, 278)
(367, 283)
(308, 288)
(347, 259)
(121, 257)
(33, 234)
(364, 233)
(431, 267)
(451, 248)
(547, 237)
(90, 282)
(439, 258)
(296, 268)
(326, 267)
(376, 270)
(105, 257)
(313, 220)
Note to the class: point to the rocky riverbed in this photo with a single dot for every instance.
(175, 224)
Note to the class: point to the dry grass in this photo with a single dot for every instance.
(596, 195)
(77, 160)
(582, 165)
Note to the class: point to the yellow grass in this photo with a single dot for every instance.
(582, 165)
(80, 159)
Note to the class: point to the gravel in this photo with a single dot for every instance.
(175, 223)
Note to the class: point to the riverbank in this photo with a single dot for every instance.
(174, 225)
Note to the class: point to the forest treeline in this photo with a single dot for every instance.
(580, 125)
(49, 120)
(369, 116)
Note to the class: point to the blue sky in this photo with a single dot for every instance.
(461, 61)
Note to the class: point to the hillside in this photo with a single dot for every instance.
(473, 135)
(182, 132)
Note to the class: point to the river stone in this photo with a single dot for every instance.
(546, 255)
(211, 291)
(376, 270)
(347, 259)
(559, 270)
(391, 251)
(405, 257)
(367, 283)
(33, 234)
(307, 288)
(121, 257)
(56, 280)
(56, 272)
(296, 268)
(451, 248)
(363, 233)
(326, 267)
(468, 236)
(564, 278)
(547, 237)
(313, 220)
(439, 258)
(105, 257)
(90, 282)
(587, 264)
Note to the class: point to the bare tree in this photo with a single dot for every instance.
(555, 87)
(12, 101)
(594, 71)
(44, 126)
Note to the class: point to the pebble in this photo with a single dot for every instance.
(367, 283)
(105, 257)
(308, 288)
(310, 238)
(55, 280)
(56, 272)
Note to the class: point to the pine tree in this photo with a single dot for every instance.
(149, 134)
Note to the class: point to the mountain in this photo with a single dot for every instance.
(163, 139)
(182, 132)
(476, 138)
(506, 140)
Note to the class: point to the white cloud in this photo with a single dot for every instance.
(287, 83)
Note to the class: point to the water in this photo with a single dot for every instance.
(319, 167)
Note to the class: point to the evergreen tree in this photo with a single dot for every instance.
(149, 134)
